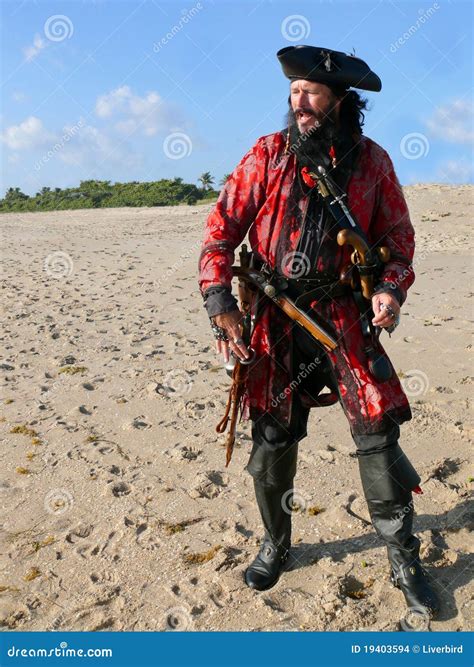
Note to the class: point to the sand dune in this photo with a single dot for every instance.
(117, 510)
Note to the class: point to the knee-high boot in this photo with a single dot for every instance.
(274, 506)
(392, 520)
(272, 464)
(388, 479)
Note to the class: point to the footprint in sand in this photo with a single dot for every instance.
(146, 537)
(138, 423)
(209, 484)
(198, 410)
(120, 489)
(183, 453)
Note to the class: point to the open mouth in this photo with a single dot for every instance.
(304, 116)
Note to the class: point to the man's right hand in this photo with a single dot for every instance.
(231, 322)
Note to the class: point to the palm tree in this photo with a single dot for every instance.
(207, 180)
(224, 179)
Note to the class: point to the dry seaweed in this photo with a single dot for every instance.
(32, 574)
(44, 543)
(203, 557)
(315, 510)
(23, 430)
(73, 370)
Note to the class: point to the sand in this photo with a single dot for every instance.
(117, 510)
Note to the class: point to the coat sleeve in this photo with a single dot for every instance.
(391, 226)
(239, 202)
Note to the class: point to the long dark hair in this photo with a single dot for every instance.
(352, 109)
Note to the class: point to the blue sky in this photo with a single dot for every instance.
(143, 90)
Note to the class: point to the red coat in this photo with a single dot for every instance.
(256, 200)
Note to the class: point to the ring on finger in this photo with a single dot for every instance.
(389, 309)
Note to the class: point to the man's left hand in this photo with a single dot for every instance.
(383, 317)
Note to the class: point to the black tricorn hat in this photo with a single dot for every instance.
(336, 69)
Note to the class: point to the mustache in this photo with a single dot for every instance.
(307, 110)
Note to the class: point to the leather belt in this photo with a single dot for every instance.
(306, 290)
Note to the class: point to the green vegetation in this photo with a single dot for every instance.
(206, 181)
(103, 194)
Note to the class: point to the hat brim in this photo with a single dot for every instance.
(333, 68)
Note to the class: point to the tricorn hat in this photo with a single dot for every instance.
(336, 69)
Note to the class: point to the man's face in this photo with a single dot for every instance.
(312, 103)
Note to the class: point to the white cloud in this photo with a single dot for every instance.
(32, 51)
(453, 122)
(147, 114)
(112, 102)
(27, 135)
(78, 144)
(89, 147)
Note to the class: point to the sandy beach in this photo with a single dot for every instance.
(117, 510)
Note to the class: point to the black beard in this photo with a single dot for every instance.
(311, 148)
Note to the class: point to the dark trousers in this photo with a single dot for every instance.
(274, 454)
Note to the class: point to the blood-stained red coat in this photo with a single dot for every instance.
(257, 200)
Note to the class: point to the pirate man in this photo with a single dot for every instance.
(272, 196)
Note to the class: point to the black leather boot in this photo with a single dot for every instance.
(265, 570)
(388, 479)
(393, 522)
